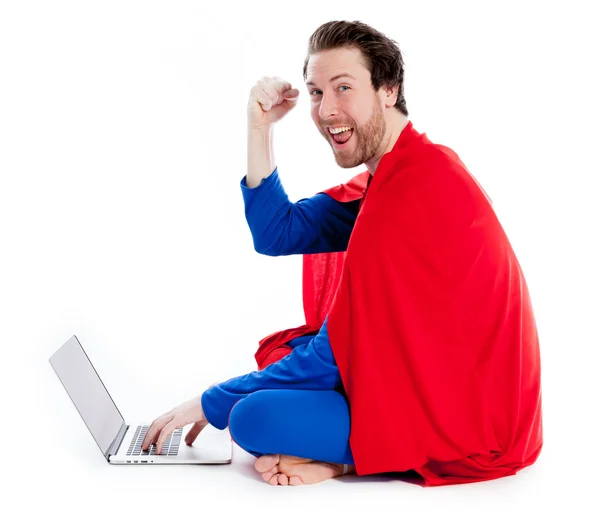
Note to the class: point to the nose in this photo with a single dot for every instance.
(328, 108)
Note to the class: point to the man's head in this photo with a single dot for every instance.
(367, 103)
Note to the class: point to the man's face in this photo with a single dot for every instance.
(346, 102)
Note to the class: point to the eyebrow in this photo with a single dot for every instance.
(335, 78)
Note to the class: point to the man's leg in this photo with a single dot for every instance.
(311, 424)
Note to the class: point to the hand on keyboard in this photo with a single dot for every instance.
(162, 427)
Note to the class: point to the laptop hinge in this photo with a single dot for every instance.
(114, 447)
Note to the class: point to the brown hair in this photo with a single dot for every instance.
(381, 54)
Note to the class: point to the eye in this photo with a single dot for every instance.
(314, 90)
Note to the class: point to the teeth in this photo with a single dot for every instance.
(339, 130)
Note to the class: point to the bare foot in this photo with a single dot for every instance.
(279, 469)
(268, 466)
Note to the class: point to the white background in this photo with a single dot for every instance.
(122, 145)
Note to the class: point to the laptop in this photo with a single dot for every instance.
(119, 442)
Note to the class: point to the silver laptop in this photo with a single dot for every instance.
(119, 442)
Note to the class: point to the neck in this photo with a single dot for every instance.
(395, 125)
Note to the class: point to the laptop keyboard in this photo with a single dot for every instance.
(169, 448)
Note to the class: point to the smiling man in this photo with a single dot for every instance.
(420, 349)
(365, 137)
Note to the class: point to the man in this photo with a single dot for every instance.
(420, 332)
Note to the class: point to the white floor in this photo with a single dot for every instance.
(60, 468)
(80, 480)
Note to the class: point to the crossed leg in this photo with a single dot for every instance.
(298, 436)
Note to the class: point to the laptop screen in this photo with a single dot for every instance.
(87, 392)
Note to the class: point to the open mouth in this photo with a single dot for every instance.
(342, 138)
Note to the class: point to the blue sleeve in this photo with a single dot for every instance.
(308, 367)
(318, 224)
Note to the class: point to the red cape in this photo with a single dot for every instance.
(430, 323)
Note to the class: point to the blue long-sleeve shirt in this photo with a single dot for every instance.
(318, 224)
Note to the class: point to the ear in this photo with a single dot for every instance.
(390, 95)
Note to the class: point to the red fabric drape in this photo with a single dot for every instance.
(430, 323)
(321, 274)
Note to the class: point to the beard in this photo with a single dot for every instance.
(367, 140)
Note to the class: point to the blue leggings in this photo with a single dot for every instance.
(311, 424)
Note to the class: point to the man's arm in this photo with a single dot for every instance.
(318, 224)
(261, 159)
(313, 225)
(308, 367)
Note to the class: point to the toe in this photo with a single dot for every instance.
(274, 480)
(295, 481)
(283, 479)
(266, 462)
(268, 475)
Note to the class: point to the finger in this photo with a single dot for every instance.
(280, 85)
(194, 432)
(146, 440)
(291, 95)
(271, 91)
(155, 428)
(166, 431)
(264, 99)
(284, 84)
